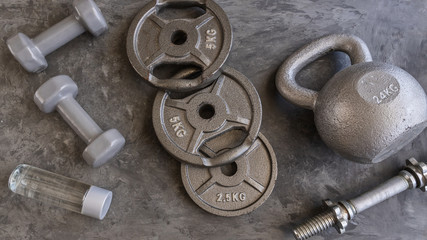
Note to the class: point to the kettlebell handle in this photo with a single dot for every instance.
(355, 47)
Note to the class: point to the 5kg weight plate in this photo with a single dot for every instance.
(213, 126)
(235, 189)
(158, 42)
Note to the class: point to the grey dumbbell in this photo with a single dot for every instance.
(31, 53)
(59, 94)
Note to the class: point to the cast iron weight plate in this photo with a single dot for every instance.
(213, 126)
(204, 42)
(219, 192)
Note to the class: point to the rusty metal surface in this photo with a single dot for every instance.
(149, 200)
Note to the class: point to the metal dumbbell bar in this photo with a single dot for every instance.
(58, 94)
(31, 53)
(339, 214)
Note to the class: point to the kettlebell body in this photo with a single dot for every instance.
(366, 112)
(369, 111)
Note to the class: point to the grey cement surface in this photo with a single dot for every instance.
(149, 199)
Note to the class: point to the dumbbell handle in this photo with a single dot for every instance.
(390, 188)
(78, 119)
(58, 35)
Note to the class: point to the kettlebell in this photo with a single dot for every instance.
(366, 112)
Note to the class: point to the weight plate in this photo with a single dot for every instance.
(159, 42)
(213, 126)
(235, 189)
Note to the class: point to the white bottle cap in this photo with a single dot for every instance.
(97, 202)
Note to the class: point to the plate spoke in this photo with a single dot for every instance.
(176, 104)
(202, 20)
(202, 189)
(260, 188)
(158, 21)
(237, 119)
(154, 58)
(218, 85)
(254, 147)
(194, 144)
(202, 57)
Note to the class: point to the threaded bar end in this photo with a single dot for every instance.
(314, 225)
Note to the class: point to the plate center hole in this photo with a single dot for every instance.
(207, 111)
(179, 37)
(229, 169)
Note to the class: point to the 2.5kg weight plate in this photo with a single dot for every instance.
(158, 42)
(213, 126)
(235, 189)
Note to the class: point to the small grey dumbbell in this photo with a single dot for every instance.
(59, 94)
(31, 53)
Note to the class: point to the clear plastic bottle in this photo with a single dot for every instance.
(60, 191)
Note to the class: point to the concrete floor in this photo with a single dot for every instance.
(150, 201)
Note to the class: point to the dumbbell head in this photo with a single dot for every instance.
(53, 91)
(104, 148)
(89, 15)
(27, 53)
(31, 53)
